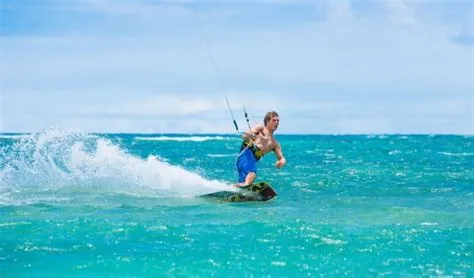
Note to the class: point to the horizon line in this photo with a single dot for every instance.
(231, 134)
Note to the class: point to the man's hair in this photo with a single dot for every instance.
(269, 116)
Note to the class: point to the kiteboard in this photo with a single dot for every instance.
(260, 191)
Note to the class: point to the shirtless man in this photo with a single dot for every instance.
(258, 142)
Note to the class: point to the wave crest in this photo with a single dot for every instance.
(59, 165)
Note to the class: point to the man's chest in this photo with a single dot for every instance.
(265, 144)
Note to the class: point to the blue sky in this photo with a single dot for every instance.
(394, 66)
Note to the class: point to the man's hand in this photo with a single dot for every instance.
(247, 136)
(280, 163)
(252, 134)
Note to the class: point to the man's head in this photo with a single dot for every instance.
(271, 120)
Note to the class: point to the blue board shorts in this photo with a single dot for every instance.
(246, 163)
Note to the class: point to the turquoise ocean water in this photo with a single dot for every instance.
(121, 205)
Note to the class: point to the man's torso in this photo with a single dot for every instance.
(265, 142)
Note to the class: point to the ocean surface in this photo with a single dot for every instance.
(127, 205)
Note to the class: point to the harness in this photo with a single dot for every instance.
(248, 144)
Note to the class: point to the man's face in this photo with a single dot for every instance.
(273, 123)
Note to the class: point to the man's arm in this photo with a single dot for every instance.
(250, 134)
(279, 154)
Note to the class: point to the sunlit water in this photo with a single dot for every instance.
(74, 204)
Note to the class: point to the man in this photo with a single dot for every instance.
(258, 142)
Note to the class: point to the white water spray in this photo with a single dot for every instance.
(59, 164)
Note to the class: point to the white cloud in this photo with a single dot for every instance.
(163, 105)
(1, 112)
(175, 106)
(340, 10)
(401, 11)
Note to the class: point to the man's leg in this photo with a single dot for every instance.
(247, 168)
(250, 178)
